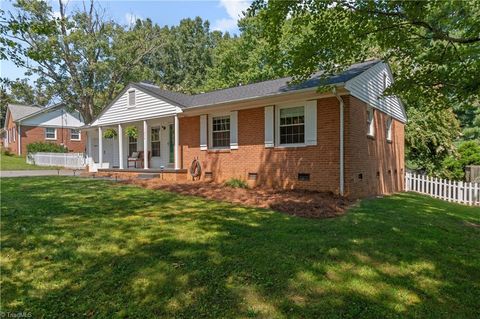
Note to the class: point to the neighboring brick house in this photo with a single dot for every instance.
(26, 124)
(348, 139)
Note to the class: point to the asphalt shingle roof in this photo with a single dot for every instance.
(261, 89)
(19, 111)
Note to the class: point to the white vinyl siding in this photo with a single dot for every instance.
(50, 133)
(369, 87)
(75, 135)
(146, 107)
(55, 118)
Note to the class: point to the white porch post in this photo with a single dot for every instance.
(120, 146)
(145, 145)
(89, 148)
(100, 147)
(177, 139)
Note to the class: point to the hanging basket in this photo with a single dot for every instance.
(110, 133)
(131, 131)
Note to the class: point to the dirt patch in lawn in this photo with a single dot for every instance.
(294, 202)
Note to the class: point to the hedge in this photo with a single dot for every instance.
(46, 147)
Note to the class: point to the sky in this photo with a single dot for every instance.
(222, 14)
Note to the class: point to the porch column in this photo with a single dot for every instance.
(120, 145)
(89, 147)
(145, 145)
(177, 139)
(100, 147)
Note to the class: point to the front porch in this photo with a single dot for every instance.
(154, 149)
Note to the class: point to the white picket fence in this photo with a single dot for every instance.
(67, 160)
(452, 191)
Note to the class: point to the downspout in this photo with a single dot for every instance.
(342, 164)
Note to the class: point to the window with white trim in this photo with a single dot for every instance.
(220, 131)
(370, 121)
(131, 98)
(75, 134)
(50, 133)
(292, 125)
(14, 133)
(132, 145)
(155, 141)
(389, 129)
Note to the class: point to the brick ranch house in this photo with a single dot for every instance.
(26, 124)
(348, 140)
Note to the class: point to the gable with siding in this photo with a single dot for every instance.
(369, 86)
(57, 117)
(147, 106)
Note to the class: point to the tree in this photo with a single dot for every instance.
(454, 165)
(433, 45)
(242, 60)
(81, 56)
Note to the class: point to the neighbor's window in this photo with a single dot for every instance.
(389, 129)
(292, 125)
(155, 141)
(370, 122)
(75, 135)
(131, 98)
(132, 145)
(220, 131)
(50, 133)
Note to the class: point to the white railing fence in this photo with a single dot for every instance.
(452, 191)
(67, 160)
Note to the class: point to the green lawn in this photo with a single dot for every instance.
(17, 163)
(82, 248)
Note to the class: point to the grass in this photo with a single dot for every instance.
(82, 248)
(18, 163)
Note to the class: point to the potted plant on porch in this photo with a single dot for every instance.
(110, 133)
(131, 131)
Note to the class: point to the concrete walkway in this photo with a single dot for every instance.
(50, 172)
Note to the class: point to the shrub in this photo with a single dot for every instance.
(6, 151)
(236, 183)
(454, 166)
(46, 147)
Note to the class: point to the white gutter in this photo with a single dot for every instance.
(342, 164)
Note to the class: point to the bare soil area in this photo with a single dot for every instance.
(307, 204)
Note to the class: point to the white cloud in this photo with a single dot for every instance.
(131, 18)
(234, 10)
(56, 14)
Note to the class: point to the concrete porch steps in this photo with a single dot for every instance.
(148, 175)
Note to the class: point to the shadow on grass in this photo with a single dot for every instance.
(91, 248)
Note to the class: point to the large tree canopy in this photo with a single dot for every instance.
(82, 56)
(434, 46)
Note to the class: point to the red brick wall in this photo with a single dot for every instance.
(32, 134)
(275, 167)
(380, 163)
(280, 167)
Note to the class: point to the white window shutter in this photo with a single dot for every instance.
(311, 123)
(269, 126)
(203, 133)
(234, 130)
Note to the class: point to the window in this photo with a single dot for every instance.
(50, 133)
(132, 145)
(389, 129)
(370, 122)
(221, 131)
(292, 125)
(75, 135)
(155, 141)
(131, 98)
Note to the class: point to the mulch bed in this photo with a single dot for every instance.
(307, 204)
